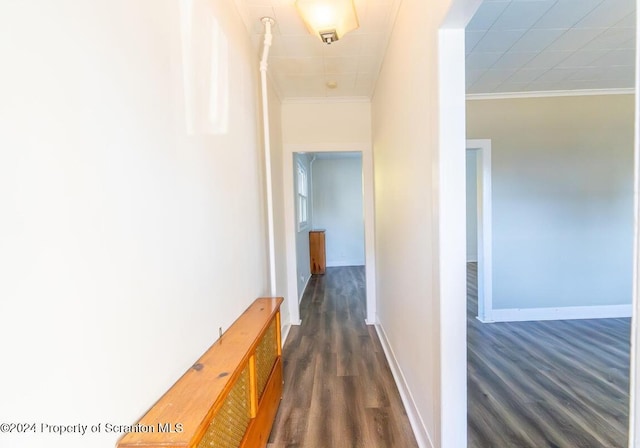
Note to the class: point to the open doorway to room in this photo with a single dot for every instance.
(554, 89)
(328, 200)
(330, 189)
(479, 226)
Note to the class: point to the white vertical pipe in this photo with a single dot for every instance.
(268, 23)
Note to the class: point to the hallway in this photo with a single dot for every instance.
(560, 384)
(338, 389)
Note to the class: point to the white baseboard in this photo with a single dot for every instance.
(419, 429)
(559, 313)
(285, 333)
(485, 320)
(342, 263)
(304, 289)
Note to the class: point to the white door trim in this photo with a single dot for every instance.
(634, 380)
(290, 230)
(484, 226)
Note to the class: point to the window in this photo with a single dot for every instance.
(303, 197)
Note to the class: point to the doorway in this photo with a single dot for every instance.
(452, 115)
(292, 234)
(328, 197)
(479, 225)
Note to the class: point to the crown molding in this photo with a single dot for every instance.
(548, 93)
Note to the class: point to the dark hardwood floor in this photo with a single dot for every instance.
(546, 384)
(552, 384)
(338, 389)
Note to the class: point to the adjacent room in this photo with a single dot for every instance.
(328, 199)
(550, 89)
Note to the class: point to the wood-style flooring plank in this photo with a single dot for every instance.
(546, 384)
(338, 388)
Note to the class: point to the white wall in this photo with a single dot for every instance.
(562, 172)
(472, 205)
(124, 242)
(303, 265)
(337, 208)
(326, 122)
(420, 220)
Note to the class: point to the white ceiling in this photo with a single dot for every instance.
(512, 46)
(547, 45)
(301, 65)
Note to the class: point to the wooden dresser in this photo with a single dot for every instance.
(317, 253)
(229, 397)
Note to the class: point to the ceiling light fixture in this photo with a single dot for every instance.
(328, 19)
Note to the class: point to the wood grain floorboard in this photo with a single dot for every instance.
(338, 388)
(545, 384)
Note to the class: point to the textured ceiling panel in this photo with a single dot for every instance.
(511, 46)
(542, 45)
(303, 66)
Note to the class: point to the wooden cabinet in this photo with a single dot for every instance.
(229, 397)
(317, 251)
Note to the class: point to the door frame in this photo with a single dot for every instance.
(484, 228)
(290, 222)
(634, 374)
